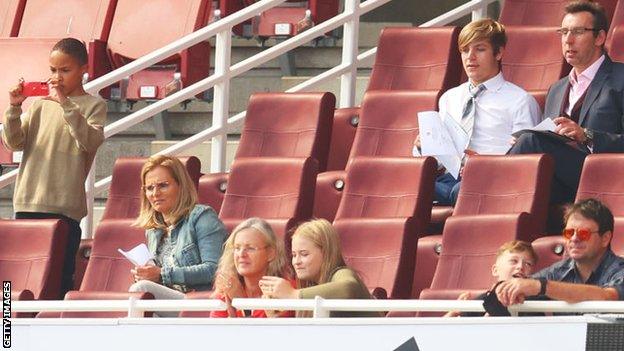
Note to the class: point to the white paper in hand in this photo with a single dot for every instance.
(139, 256)
(442, 140)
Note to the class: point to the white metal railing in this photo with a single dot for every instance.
(224, 72)
(319, 306)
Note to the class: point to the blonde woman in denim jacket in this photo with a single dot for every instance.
(185, 239)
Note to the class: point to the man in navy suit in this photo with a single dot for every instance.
(587, 106)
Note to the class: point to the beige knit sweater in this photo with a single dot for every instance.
(59, 144)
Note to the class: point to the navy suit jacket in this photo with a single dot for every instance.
(603, 108)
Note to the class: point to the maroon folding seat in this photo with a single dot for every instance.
(107, 276)
(534, 67)
(386, 202)
(469, 247)
(288, 19)
(549, 249)
(616, 42)
(541, 12)
(278, 125)
(277, 189)
(431, 61)
(388, 125)
(124, 195)
(598, 181)
(617, 242)
(31, 257)
(491, 185)
(427, 256)
(11, 12)
(141, 27)
(82, 260)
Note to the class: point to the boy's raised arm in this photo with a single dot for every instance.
(87, 130)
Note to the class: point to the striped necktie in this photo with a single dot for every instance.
(468, 113)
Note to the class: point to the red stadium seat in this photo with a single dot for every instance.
(141, 27)
(31, 256)
(598, 181)
(279, 190)
(617, 242)
(405, 67)
(108, 273)
(427, 256)
(491, 186)
(386, 202)
(534, 67)
(387, 127)
(278, 125)
(11, 12)
(82, 260)
(124, 196)
(549, 249)
(291, 17)
(542, 12)
(616, 42)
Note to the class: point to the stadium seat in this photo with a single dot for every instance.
(469, 247)
(598, 181)
(11, 12)
(616, 42)
(31, 256)
(617, 242)
(405, 67)
(427, 256)
(541, 12)
(388, 125)
(82, 260)
(549, 249)
(386, 203)
(534, 67)
(492, 185)
(160, 22)
(279, 190)
(124, 195)
(278, 125)
(108, 273)
(292, 17)
(22, 295)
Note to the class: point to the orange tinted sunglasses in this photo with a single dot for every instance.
(582, 233)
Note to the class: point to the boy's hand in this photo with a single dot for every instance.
(55, 92)
(16, 98)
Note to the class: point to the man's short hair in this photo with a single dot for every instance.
(518, 246)
(74, 48)
(594, 210)
(600, 18)
(484, 29)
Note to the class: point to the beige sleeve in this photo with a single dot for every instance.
(88, 131)
(15, 129)
(343, 285)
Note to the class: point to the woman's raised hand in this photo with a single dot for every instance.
(278, 288)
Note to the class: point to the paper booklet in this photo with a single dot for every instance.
(546, 127)
(139, 256)
(445, 139)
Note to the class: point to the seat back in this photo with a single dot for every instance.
(288, 125)
(416, 58)
(86, 20)
(549, 250)
(506, 185)
(469, 247)
(597, 181)
(616, 42)
(617, 242)
(427, 256)
(107, 269)
(11, 12)
(270, 188)
(32, 254)
(542, 12)
(388, 122)
(532, 66)
(389, 188)
(124, 197)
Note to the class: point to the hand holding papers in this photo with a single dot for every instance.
(139, 256)
(546, 127)
(443, 138)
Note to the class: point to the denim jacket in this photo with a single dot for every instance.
(198, 243)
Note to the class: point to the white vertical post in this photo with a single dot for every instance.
(87, 223)
(319, 311)
(480, 12)
(221, 103)
(350, 41)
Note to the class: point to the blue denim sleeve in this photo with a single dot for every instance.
(210, 235)
(617, 282)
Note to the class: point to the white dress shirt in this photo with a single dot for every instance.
(502, 109)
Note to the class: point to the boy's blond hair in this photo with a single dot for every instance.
(517, 246)
(484, 29)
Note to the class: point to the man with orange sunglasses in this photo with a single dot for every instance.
(591, 272)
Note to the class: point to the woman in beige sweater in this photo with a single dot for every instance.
(320, 269)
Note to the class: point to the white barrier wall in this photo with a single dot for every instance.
(495, 333)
